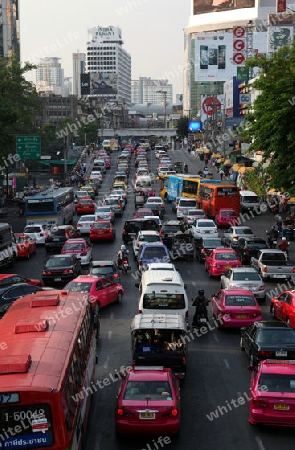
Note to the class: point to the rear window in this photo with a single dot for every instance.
(78, 287)
(228, 214)
(101, 225)
(276, 382)
(246, 276)
(104, 270)
(58, 232)
(243, 231)
(171, 228)
(74, 247)
(240, 300)
(132, 226)
(187, 203)
(152, 390)
(154, 252)
(143, 184)
(225, 257)
(206, 224)
(32, 230)
(163, 301)
(276, 335)
(250, 199)
(257, 244)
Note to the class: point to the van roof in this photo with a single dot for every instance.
(160, 277)
(248, 193)
(158, 321)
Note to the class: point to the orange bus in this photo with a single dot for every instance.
(216, 195)
(47, 356)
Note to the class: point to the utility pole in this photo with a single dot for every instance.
(165, 106)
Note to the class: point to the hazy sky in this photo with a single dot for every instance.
(152, 32)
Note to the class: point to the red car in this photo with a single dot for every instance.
(219, 260)
(237, 307)
(148, 402)
(272, 390)
(14, 278)
(102, 230)
(85, 206)
(25, 245)
(101, 289)
(226, 217)
(142, 212)
(282, 307)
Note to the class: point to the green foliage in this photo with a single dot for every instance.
(18, 105)
(89, 129)
(271, 126)
(182, 126)
(256, 181)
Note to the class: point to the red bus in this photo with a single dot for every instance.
(47, 356)
(216, 195)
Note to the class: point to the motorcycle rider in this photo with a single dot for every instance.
(122, 253)
(185, 168)
(201, 303)
(283, 245)
(272, 237)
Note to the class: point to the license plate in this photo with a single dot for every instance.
(207, 232)
(228, 266)
(55, 239)
(147, 415)
(279, 276)
(281, 353)
(241, 316)
(281, 407)
(100, 232)
(203, 320)
(57, 279)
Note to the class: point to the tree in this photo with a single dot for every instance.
(256, 181)
(18, 106)
(182, 127)
(271, 126)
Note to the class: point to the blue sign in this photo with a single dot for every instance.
(244, 98)
(233, 121)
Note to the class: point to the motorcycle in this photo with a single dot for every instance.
(124, 265)
(200, 320)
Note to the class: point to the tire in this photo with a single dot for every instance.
(272, 312)
(119, 297)
(242, 348)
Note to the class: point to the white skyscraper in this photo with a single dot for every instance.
(146, 90)
(79, 67)
(109, 64)
(50, 76)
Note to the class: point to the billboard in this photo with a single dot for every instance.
(209, 6)
(212, 111)
(85, 83)
(279, 36)
(213, 56)
(103, 84)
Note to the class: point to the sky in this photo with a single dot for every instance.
(152, 32)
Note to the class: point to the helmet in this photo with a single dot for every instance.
(123, 247)
(284, 239)
(201, 292)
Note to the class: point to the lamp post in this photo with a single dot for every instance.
(165, 106)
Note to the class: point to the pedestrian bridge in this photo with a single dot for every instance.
(169, 133)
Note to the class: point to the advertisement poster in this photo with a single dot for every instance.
(213, 56)
(278, 37)
(209, 6)
(212, 111)
(103, 84)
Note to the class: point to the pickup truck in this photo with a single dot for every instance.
(272, 263)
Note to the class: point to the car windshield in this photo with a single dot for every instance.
(87, 219)
(196, 213)
(101, 225)
(243, 231)
(225, 256)
(239, 300)
(58, 262)
(74, 247)
(228, 213)
(104, 270)
(155, 252)
(151, 238)
(206, 224)
(105, 209)
(58, 231)
(148, 390)
(187, 203)
(32, 230)
(257, 244)
(83, 287)
(212, 243)
(276, 335)
(246, 276)
(153, 300)
(277, 382)
(171, 228)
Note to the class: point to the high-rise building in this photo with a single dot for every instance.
(146, 90)
(79, 67)
(9, 28)
(219, 38)
(50, 76)
(68, 87)
(109, 64)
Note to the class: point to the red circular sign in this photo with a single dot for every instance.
(239, 31)
(238, 58)
(210, 105)
(239, 44)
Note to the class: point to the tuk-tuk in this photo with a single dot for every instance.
(159, 339)
(178, 166)
(183, 246)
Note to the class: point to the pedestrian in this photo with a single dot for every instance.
(221, 173)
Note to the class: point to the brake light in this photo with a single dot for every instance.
(41, 234)
(264, 353)
(139, 311)
(174, 412)
(120, 412)
(265, 269)
(235, 238)
(115, 275)
(259, 404)
(202, 250)
(68, 271)
(46, 272)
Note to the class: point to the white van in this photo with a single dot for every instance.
(99, 164)
(162, 292)
(249, 201)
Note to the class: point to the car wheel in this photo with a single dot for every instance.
(242, 348)
(288, 321)
(272, 311)
(119, 297)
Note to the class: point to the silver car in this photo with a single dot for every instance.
(244, 278)
(106, 213)
(231, 236)
(115, 204)
(85, 222)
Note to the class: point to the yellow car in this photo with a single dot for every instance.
(120, 184)
(89, 190)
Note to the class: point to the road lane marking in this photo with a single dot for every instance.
(226, 363)
(106, 364)
(216, 337)
(260, 444)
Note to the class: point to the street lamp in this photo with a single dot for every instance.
(165, 106)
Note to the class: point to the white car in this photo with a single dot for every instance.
(231, 236)
(157, 200)
(105, 212)
(193, 214)
(145, 237)
(243, 278)
(85, 222)
(204, 228)
(120, 192)
(158, 153)
(96, 174)
(118, 197)
(160, 266)
(184, 205)
(38, 232)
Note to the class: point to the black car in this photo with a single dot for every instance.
(268, 340)
(58, 236)
(9, 294)
(133, 226)
(169, 229)
(247, 247)
(156, 209)
(60, 269)
(107, 269)
(205, 245)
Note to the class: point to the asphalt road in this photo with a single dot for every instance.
(216, 369)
